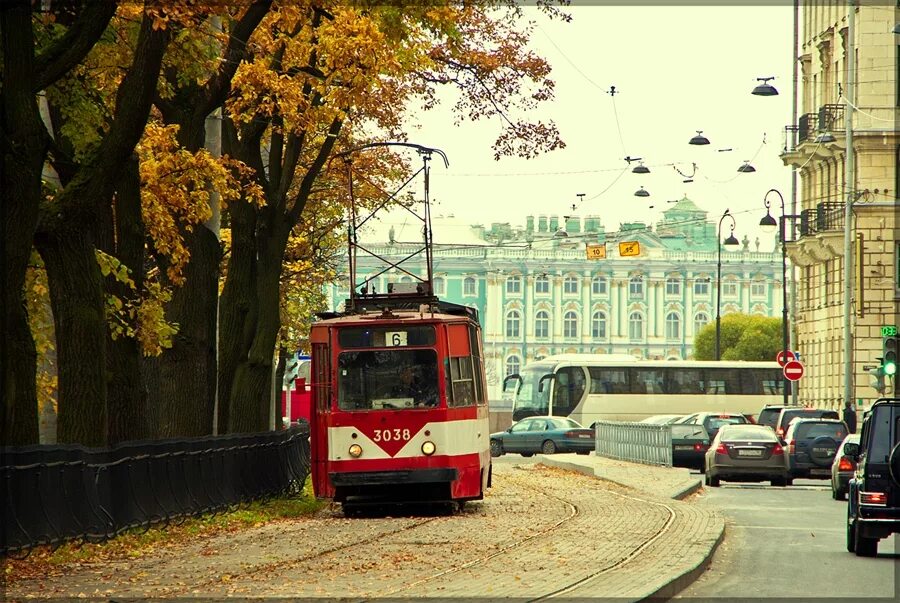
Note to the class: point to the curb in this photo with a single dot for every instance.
(679, 583)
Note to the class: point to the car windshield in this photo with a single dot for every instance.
(747, 432)
(768, 416)
(715, 422)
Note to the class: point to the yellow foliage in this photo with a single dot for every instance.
(40, 319)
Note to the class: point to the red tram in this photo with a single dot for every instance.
(399, 408)
(399, 411)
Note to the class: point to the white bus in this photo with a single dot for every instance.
(598, 387)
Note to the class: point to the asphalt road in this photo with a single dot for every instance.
(790, 542)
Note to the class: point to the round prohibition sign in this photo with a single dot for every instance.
(784, 356)
(793, 370)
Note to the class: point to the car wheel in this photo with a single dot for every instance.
(865, 547)
(714, 481)
(527, 454)
(789, 481)
(842, 495)
(496, 448)
(851, 535)
(548, 447)
(779, 482)
(834, 493)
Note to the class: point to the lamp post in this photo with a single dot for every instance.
(731, 241)
(768, 225)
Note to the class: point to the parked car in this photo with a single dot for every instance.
(689, 446)
(662, 419)
(545, 435)
(789, 414)
(745, 452)
(811, 446)
(842, 468)
(769, 415)
(712, 421)
(873, 510)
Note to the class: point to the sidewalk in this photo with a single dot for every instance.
(682, 552)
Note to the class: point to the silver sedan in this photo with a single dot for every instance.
(746, 453)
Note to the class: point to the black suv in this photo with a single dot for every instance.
(789, 414)
(873, 512)
(811, 446)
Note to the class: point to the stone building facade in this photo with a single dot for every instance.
(819, 251)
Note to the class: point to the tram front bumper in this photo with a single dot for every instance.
(382, 478)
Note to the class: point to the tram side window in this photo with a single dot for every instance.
(460, 381)
(682, 381)
(721, 381)
(608, 380)
(322, 382)
(474, 343)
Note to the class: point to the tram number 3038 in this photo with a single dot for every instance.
(389, 435)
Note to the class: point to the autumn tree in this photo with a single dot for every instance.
(32, 61)
(97, 115)
(742, 337)
(322, 74)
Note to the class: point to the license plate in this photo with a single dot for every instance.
(684, 447)
(820, 471)
(749, 452)
(584, 435)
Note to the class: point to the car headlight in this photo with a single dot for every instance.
(355, 450)
(428, 448)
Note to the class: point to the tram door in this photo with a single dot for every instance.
(320, 409)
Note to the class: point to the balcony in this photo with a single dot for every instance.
(829, 118)
(821, 234)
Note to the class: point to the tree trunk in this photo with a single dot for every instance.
(76, 296)
(251, 390)
(237, 307)
(127, 394)
(23, 145)
(188, 369)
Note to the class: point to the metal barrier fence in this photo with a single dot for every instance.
(640, 442)
(53, 494)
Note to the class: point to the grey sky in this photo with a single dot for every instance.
(676, 70)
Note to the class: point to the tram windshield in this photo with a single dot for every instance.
(387, 379)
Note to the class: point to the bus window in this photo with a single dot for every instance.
(568, 390)
(721, 381)
(647, 381)
(682, 381)
(608, 380)
(762, 381)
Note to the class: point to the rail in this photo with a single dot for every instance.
(638, 442)
(54, 494)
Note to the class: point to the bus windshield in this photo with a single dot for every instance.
(387, 379)
(530, 402)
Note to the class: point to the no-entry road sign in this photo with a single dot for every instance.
(784, 356)
(793, 370)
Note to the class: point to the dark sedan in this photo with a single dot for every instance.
(689, 446)
(545, 435)
(712, 421)
(746, 453)
(842, 469)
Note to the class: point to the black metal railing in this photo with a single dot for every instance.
(825, 217)
(53, 494)
(829, 118)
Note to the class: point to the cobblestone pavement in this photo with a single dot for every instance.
(540, 532)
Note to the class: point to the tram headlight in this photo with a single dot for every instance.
(428, 448)
(355, 450)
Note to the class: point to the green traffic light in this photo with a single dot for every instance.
(890, 368)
